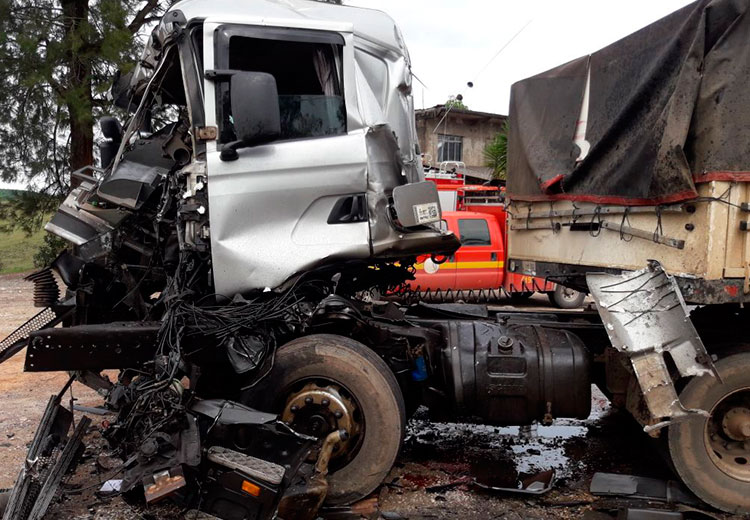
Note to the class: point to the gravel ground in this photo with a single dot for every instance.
(431, 480)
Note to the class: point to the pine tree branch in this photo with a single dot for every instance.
(142, 16)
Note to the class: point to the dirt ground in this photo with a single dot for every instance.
(431, 480)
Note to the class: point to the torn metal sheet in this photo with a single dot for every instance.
(66, 460)
(613, 484)
(646, 318)
(534, 485)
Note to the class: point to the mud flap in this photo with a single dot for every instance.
(647, 320)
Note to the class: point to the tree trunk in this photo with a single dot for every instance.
(79, 99)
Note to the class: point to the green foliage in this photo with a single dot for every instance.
(17, 249)
(23, 242)
(496, 153)
(58, 58)
(51, 247)
(455, 103)
(27, 211)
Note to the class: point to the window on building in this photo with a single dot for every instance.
(474, 232)
(450, 148)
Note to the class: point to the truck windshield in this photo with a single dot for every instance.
(308, 78)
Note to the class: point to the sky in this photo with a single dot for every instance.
(451, 42)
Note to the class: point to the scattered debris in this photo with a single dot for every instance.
(111, 487)
(611, 484)
(534, 485)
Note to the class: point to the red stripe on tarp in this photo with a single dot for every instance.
(627, 201)
(607, 199)
(546, 185)
(722, 176)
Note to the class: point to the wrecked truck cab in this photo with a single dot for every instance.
(320, 163)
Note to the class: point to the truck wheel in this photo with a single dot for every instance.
(322, 383)
(712, 454)
(566, 298)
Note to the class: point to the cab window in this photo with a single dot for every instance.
(474, 232)
(309, 78)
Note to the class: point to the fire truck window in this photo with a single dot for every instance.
(308, 78)
(474, 232)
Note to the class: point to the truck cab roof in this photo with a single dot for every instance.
(370, 24)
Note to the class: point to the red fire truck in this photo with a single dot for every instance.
(476, 214)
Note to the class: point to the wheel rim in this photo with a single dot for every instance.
(727, 435)
(319, 407)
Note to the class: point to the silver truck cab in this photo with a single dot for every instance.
(296, 117)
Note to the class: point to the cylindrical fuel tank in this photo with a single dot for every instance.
(515, 375)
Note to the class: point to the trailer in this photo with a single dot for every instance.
(628, 179)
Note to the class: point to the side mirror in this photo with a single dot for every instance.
(255, 111)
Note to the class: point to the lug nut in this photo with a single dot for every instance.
(294, 408)
(338, 415)
(308, 400)
(325, 402)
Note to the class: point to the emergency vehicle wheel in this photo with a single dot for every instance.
(712, 454)
(566, 298)
(322, 383)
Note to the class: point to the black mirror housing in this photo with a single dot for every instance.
(255, 107)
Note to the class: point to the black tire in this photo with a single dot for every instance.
(688, 440)
(367, 378)
(566, 298)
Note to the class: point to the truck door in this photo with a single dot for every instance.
(480, 256)
(293, 203)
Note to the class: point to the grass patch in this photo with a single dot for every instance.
(17, 250)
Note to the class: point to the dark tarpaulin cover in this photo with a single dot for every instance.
(669, 106)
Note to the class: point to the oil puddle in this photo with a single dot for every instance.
(499, 456)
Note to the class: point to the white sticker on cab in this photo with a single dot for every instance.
(426, 213)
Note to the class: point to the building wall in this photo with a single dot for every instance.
(476, 128)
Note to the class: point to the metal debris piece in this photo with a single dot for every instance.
(92, 409)
(612, 484)
(61, 466)
(646, 318)
(535, 485)
(111, 487)
(54, 424)
(163, 483)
